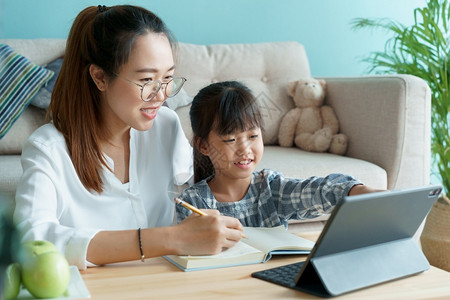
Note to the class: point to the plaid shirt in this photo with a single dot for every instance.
(272, 199)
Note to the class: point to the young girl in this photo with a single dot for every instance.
(228, 146)
(95, 181)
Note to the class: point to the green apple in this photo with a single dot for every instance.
(45, 271)
(38, 247)
(46, 275)
(12, 281)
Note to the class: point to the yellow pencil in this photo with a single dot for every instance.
(190, 207)
(194, 209)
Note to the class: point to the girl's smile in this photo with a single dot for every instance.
(244, 164)
(234, 156)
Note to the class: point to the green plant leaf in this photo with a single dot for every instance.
(423, 50)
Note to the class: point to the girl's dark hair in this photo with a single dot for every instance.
(225, 107)
(103, 36)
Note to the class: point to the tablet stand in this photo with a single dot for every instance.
(343, 272)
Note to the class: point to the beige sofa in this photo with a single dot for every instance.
(387, 118)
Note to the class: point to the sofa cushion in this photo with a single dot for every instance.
(39, 51)
(9, 176)
(31, 119)
(296, 163)
(20, 80)
(266, 68)
(43, 97)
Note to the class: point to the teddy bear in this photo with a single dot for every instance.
(311, 125)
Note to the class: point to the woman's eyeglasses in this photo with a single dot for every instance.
(151, 88)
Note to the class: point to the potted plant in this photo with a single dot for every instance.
(9, 254)
(423, 50)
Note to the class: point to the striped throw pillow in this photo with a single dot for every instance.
(20, 80)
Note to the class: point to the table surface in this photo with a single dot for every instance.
(156, 278)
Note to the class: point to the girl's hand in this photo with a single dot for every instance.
(205, 235)
(362, 189)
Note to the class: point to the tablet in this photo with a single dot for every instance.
(368, 239)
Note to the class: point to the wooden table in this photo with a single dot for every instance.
(159, 279)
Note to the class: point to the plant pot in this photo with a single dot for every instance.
(435, 238)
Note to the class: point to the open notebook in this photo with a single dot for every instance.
(259, 246)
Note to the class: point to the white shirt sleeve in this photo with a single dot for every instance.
(40, 200)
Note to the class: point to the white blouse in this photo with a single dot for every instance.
(52, 204)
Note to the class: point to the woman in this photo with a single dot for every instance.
(103, 169)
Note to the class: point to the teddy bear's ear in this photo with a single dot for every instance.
(291, 86)
(322, 83)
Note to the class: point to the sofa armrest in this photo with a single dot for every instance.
(388, 121)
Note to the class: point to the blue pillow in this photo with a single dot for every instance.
(20, 80)
(42, 98)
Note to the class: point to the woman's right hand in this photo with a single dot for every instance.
(205, 235)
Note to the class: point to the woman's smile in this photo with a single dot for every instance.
(150, 112)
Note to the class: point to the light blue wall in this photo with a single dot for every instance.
(322, 26)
